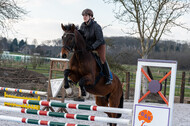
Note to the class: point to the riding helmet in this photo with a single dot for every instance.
(87, 12)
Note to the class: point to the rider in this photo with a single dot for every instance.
(93, 35)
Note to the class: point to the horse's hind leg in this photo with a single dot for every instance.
(115, 100)
(103, 101)
(113, 103)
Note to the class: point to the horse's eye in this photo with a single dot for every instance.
(64, 36)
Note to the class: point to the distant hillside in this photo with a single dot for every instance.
(125, 50)
(122, 50)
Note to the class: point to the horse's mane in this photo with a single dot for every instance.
(69, 26)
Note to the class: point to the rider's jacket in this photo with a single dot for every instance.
(92, 33)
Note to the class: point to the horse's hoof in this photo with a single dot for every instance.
(83, 93)
(66, 86)
(79, 99)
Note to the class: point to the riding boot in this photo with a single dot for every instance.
(107, 73)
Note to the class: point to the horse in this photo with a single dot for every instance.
(83, 69)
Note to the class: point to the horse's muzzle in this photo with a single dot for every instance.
(64, 56)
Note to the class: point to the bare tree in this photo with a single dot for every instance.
(35, 42)
(9, 12)
(149, 20)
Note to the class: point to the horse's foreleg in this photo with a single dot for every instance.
(66, 74)
(81, 84)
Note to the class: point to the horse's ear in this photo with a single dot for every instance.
(63, 27)
(73, 27)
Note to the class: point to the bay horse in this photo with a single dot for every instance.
(84, 69)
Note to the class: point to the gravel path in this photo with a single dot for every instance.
(181, 115)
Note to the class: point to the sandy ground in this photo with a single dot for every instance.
(181, 115)
(24, 79)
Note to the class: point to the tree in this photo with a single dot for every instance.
(21, 43)
(9, 12)
(149, 20)
(14, 45)
(3, 44)
(35, 42)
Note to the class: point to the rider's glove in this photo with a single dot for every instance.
(89, 48)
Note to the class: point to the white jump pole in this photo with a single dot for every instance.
(66, 115)
(23, 91)
(67, 105)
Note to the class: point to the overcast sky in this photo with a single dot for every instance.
(45, 17)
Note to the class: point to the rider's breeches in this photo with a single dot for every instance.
(102, 53)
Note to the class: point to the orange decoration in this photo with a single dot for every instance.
(146, 116)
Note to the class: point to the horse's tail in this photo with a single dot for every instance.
(120, 105)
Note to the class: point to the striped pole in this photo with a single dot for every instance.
(23, 91)
(38, 122)
(67, 105)
(66, 115)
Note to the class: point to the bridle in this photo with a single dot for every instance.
(68, 48)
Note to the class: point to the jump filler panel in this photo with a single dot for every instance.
(146, 114)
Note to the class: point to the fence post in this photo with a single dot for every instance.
(165, 86)
(127, 85)
(189, 79)
(182, 88)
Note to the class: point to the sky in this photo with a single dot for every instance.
(43, 22)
